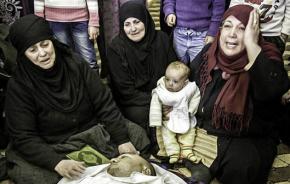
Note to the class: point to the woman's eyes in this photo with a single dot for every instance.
(134, 23)
(32, 50)
(242, 28)
(44, 44)
(227, 26)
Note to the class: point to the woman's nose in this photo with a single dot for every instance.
(133, 28)
(41, 52)
(233, 32)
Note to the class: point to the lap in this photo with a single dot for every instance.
(21, 171)
(24, 172)
(245, 160)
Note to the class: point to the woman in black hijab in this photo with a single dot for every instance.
(137, 58)
(52, 97)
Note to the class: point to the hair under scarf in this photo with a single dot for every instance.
(232, 107)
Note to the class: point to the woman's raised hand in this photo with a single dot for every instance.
(70, 168)
(252, 30)
(251, 38)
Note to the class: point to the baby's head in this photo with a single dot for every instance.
(176, 76)
(125, 164)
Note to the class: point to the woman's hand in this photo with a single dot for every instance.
(251, 38)
(127, 147)
(165, 112)
(252, 30)
(286, 98)
(70, 168)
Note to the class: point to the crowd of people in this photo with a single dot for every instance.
(213, 95)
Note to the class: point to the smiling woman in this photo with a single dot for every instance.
(137, 58)
(134, 29)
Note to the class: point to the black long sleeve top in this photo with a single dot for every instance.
(33, 126)
(268, 82)
(125, 85)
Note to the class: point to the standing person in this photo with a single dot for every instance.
(241, 78)
(274, 19)
(163, 25)
(52, 97)
(178, 131)
(196, 24)
(75, 23)
(137, 58)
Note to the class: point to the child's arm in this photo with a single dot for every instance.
(39, 8)
(194, 102)
(169, 12)
(155, 114)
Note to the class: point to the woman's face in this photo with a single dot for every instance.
(134, 29)
(41, 54)
(232, 36)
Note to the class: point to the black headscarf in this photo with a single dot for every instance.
(139, 54)
(60, 86)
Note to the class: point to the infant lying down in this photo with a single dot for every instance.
(127, 168)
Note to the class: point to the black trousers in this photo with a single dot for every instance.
(244, 160)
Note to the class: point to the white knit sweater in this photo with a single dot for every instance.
(184, 105)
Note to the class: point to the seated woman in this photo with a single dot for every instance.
(241, 79)
(137, 58)
(52, 97)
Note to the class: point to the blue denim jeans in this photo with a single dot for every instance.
(187, 43)
(75, 34)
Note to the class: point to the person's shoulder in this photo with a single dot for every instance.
(206, 47)
(162, 39)
(162, 35)
(15, 86)
(116, 41)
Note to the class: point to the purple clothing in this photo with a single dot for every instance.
(200, 15)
